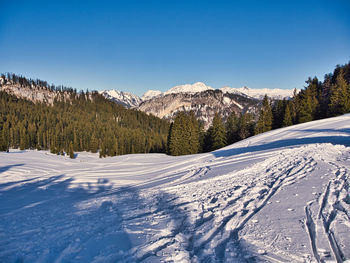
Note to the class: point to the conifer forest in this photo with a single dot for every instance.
(86, 121)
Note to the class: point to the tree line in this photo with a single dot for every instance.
(89, 122)
(86, 122)
(317, 100)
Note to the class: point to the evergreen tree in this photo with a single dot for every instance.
(245, 126)
(218, 133)
(278, 111)
(3, 144)
(308, 101)
(287, 120)
(71, 151)
(295, 106)
(340, 96)
(170, 133)
(184, 135)
(264, 123)
(94, 144)
(232, 128)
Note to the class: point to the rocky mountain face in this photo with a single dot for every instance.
(123, 98)
(31, 91)
(204, 104)
(203, 100)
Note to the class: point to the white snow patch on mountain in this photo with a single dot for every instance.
(260, 93)
(150, 94)
(189, 88)
(126, 99)
(281, 196)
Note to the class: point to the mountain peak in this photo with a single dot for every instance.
(150, 94)
(189, 88)
(127, 99)
(260, 93)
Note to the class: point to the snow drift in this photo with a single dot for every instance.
(276, 197)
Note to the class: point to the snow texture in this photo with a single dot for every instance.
(131, 100)
(281, 196)
(260, 93)
(189, 88)
(126, 99)
(150, 94)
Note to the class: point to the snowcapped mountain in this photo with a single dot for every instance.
(189, 88)
(204, 104)
(130, 100)
(260, 93)
(204, 100)
(126, 99)
(186, 88)
(150, 94)
(280, 196)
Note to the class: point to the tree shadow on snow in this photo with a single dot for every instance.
(8, 167)
(48, 220)
(340, 140)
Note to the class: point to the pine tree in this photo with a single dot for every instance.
(176, 144)
(245, 126)
(218, 133)
(170, 133)
(295, 106)
(308, 102)
(232, 128)
(264, 123)
(194, 130)
(94, 144)
(340, 96)
(278, 111)
(287, 120)
(3, 144)
(71, 151)
(184, 135)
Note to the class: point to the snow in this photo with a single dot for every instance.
(260, 93)
(281, 196)
(150, 94)
(189, 88)
(122, 97)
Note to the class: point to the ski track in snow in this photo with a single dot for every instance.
(282, 196)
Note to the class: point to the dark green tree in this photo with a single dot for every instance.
(287, 119)
(264, 123)
(308, 101)
(184, 135)
(232, 128)
(218, 133)
(340, 96)
(71, 151)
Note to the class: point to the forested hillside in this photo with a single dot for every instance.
(317, 100)
(83, 121)
(65, 121)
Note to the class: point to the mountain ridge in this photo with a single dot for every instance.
(197, 87)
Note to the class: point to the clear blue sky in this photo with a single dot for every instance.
(139, 45)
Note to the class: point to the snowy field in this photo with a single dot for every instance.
(282, 196)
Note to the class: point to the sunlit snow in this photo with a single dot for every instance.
(282, 196)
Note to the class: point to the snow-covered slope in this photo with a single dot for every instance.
(150, 94)
(126, 99)
(281, 196)
(260, 93)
